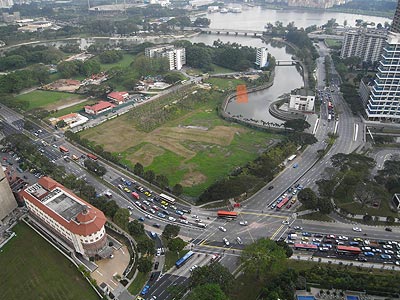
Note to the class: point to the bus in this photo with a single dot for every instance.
(63, 149)
(307, 247)
(330, 105)
(282, 203)
(348, 250)
(180, 262)
(91, 156)
(227, 214)
(290, 158)
(167, 198)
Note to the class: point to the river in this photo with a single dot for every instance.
(255, 18)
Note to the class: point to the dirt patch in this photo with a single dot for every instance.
(146, 154)
(193, 178)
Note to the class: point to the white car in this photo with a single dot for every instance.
(358, 229)
(226, 242)
(243, 223)
(148, 216)
(184, 221)
(152, 211)
(172, 219)
(239, 240)
(285, 222)
(195, 217)
(193, 267)
(223, 229)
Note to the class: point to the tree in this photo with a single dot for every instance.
(121, 218)
(308, 198)
(177, 189)
(367, 219)
(136, 228)
(149, 175)
(325, 187)
(146, 245)
(214, 273)
(390, 219)
(170, 231)
(324, 205)
(206, 292)
(173, 77)
(176, 244)
(297, 124)
(285, 246)
(138, 169)
(61, 124)
(263, 257)
(145, 265)
(162, 181)
(111, 208)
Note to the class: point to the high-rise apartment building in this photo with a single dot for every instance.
(364, 43)
(262, 57)
(176, 56)
(396, 20)
(7, 200)
(384, 100)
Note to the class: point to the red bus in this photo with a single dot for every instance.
(307, 247)
(282, 203)
(227, 214)
(91, 156)
(63, 149)
(348, 250)
(135, 195)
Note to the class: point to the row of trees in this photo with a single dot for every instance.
(68, 69)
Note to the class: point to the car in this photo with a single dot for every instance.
(226, 242)
(297, 228)
(145, 290)
(165, 212)
(164, 207)
(152, 276)
(141, 219)
(173, 207)
(184, 221)
(243, 223)
(152, 211)
(193, 267)
(155, 207)
(130, 207)
(147, 194)
(369, 253)
(297, 185)
(148, 216)
(363, 259)
(195, 217)
(273, 206)
(387, 247)
(397, 263)
(388, 229)
(304, 238)
(143, 207)
(153, 297)
(315, 240)
(270, 187)
(286, 222)
(223, 229)
(161, 215)
(385, 256)
(388, 252)
(156, 225)
(146, 202)
(357, 239)
(179, 212)
(289, 205)
(295, 165)
(306, 233)
(172, 219)
(127, 190)
(357, 229)
(183, 217)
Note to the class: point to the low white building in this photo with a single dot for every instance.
(396, 201)
(262, 57)
(72, 120)
(302, 100)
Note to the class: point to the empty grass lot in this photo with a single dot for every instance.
(123, 63)
(72, 109)
(46, 98)
(31, 269)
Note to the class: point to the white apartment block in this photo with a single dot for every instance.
(384, 100)
(262, 57)
(302, 100)
(70, 218)
(364, 43)
(176, 56)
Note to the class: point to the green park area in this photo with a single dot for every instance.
(333, 43)
(32, 269)
(126, 60)
(48, 100)
(224, 84)
(184, 139)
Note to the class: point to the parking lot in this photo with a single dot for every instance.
(345, 247)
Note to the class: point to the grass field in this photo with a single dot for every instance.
(225, 84)
(171, 258)
(317, 216)
(32, 269)
(195, 149)
(47, 100)
(220, 70)
(136, 286)
(72, 109)
(124, 62)
(333, 43)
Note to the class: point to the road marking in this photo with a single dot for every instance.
(99, 272)
(355, 132)
(277, 231)
(262, 214)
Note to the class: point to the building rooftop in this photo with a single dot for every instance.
(302, 92)
(100, 106)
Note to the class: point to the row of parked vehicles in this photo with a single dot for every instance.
(288, 198)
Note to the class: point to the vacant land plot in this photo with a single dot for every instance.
(73, 108)
(123, 63)
(32, 269)
(48, 100)
(194, 149)
(225, 84)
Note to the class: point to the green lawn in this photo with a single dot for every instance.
(333, 43)
(317, 216)
(123, 63)
(225, 84)
(42, 98)
(137, 284)
(72, 109)
(171, 258)
(220, 70)
(30, 268)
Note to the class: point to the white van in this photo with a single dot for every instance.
(202, 225)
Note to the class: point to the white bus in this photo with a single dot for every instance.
(167, 198)
(290, 158)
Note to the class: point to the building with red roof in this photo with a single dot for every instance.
(118, 97)
(98, 108)
(72, 219)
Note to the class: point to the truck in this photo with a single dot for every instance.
(74, 157)
(292, 236)
(64, 149)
